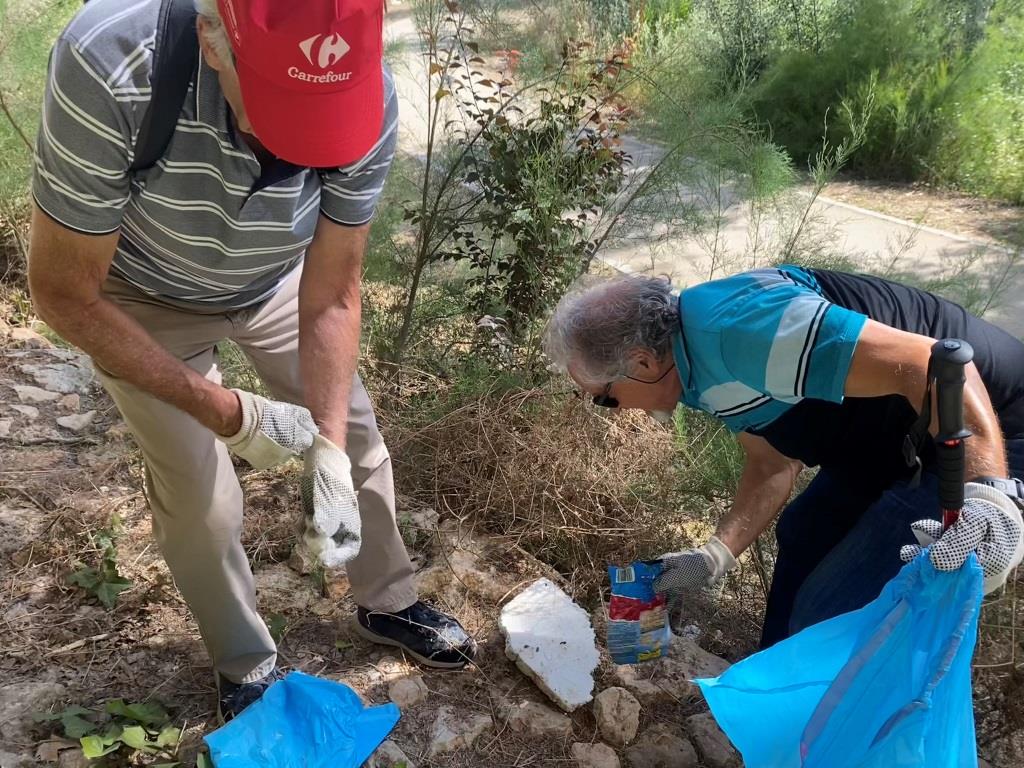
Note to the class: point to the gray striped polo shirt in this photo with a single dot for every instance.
(207, 225)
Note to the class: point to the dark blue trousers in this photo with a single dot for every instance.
(839, 543)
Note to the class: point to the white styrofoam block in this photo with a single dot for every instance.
(550, 639)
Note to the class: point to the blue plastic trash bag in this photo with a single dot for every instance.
(886, 686)
(303, 722)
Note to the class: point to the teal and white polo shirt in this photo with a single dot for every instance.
(753, 345)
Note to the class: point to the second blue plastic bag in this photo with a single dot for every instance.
(303, 722)
(888, 685)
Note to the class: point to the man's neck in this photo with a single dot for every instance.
(264, 155)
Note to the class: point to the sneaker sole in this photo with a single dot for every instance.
(373, 637)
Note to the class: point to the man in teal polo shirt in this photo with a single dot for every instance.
(812, 368)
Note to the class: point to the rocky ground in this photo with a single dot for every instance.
(68, 467)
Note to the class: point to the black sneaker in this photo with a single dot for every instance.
(429, 636)
(232, 698)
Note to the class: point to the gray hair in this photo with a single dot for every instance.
(595, 328)
(215, 34)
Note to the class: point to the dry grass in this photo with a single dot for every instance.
(578, 489)
(546, 473)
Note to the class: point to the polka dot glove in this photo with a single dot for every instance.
(695, 568)
(333, 527)
(272, 432)
(990, 525)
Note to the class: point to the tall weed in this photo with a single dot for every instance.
(981, 149)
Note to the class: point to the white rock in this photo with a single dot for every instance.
(28, 394)
(465, 564)
(451, 732)
(594, 756)
(392, 668)
(19, 528)
(17, 703)
(536, 720)
(389, 755)
(28, 411)
(26, 337)
(550, 639)
(12, 760)
(660, 747)
(691, 632)
(280, 589)
(408, 691)
(715, 749)
(417, 522)
(76, 422)
(667, 680)
(118, 431)
(618, 715)
(72, 758)
(5, 427)
(63, 377)
(70, 402)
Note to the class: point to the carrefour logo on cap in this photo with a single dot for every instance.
(326, 49)
(322, 51)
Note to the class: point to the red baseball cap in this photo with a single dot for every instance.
(311, 75)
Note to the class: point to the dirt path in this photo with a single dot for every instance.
(986, 221)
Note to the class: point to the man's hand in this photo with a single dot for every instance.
(989, 525)
(694, 569)
(329, 502)
(272, 432)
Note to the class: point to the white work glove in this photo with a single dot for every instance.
(329, 502)
(695, 568)
(272, 432)
(989, 525)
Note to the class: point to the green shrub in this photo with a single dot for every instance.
(27, 30)
(945, 80)
(899, 50)
(981, 148)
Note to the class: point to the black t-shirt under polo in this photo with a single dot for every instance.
(862, 438)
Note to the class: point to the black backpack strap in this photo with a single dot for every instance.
(175, 56)
(913, 442)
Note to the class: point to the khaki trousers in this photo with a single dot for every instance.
(195, 497)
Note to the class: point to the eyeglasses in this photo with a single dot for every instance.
(605, 400)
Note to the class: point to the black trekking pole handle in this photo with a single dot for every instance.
(946, 365)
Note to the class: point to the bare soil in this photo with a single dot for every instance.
(59, 487)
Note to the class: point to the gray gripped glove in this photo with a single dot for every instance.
(272, 432)
(695, 568)
(990, 525)
(332, 524)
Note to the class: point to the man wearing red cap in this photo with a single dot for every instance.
(251, 227)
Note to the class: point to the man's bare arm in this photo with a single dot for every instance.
(765, 486)
(888, 361)
(66, 274)
(329, 318)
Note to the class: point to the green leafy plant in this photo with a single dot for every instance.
(542, 181)
(514, 179)
(120, 732)
(104, 581)
(277, 625)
